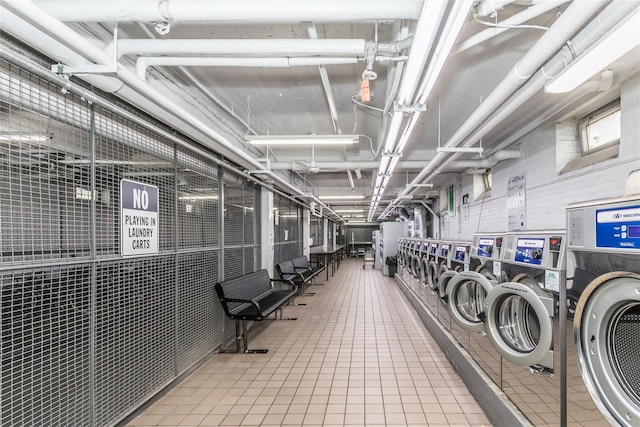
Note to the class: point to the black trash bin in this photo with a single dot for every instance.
(392, 263)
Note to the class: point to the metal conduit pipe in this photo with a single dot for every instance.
(210, 137)
(520, 18)
(487, 7)
(242, 47)
(576, 15)
(23, 30)
(403, 164)
(184, 11)
(179, 61)
(593, 31)
(580, 43)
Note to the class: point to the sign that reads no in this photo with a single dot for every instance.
(139, 218)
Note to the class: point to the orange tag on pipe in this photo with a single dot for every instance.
(365, 95)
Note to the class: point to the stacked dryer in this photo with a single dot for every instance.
(603, 294)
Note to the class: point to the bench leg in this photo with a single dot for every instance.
(245, 340)
(283, 318)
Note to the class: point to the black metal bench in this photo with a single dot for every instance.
(287, 272)
(253, 297)
(302, 265)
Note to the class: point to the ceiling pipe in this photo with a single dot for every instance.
(402, 165)
(238, 11)
(180, 61)
(520, 18)
(574, 18)
(487, 7)
(591, 32)
(213, 139)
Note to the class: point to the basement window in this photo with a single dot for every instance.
(601, 129)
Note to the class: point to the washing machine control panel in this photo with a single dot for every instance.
(618, 228)
(461, 253)
(434, 249)
(536, 250)
(445, 248)
(486, 246)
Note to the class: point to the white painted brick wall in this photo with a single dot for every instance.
(547, 193)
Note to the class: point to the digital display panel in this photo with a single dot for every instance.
(618, 228)
(530, 251)
(460, 253)
(485, 248)
(444, 250)
(434, 248)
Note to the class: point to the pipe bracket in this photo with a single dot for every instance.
(67, 70)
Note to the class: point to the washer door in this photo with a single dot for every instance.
(432, 275)
(415, 266)
(466, 294)
(424, 270)
(443, 284)
(606, 333)
(519, 323)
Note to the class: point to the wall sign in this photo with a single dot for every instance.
(138, 219)
(516, 203)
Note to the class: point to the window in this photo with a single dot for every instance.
(600, 129)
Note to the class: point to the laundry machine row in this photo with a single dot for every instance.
(553, 318)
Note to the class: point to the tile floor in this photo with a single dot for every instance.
(358, 355)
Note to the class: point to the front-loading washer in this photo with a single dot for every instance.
(400, 255)
(431, 265)
(522, 322)
(485, 249)
(441, 279)
(603, 294)
(458, 263)
(425, 292)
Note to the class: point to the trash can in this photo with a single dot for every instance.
(392, 263)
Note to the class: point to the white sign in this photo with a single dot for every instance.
(515, 203)
(139, 204)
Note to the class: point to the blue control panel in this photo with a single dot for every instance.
(444, 251)
(460, 253)
(434, 248)
(485, 248)
(529, 251)
(618, 228)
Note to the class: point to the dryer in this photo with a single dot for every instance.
(522, 322)
(603, 294)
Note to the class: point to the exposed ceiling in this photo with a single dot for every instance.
(288, 67)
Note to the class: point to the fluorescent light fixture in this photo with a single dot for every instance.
(301, 139)
(25, 137)
(352, 197)
(616, 43)
(348, 210)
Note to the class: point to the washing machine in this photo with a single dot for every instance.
(467, 293)
(457, 266)
(522, 322)
(603, 295)
(429, 265)
(441, 277)
(400, 255)
(424, 290)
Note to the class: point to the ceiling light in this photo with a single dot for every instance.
(616, 43)
(348, 210)
(301, 139)
(352, 197)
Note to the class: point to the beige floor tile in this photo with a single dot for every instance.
(366, 362)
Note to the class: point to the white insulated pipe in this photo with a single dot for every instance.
(239, 47)
(54, 28)
(240, 11)
(567, 24)
(180, 61)
(487, 7)
(518, 19)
